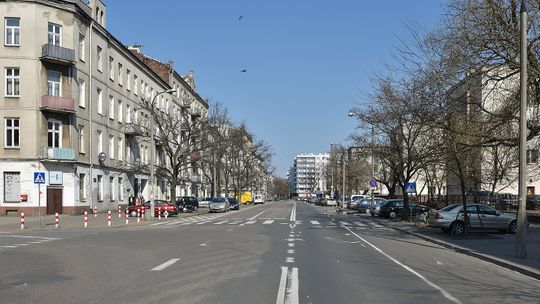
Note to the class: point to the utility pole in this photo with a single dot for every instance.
(332, 163)
(372, 162)
(343, 181)
(521, 245)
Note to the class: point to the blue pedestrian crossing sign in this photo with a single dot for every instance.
(373, 183)
(39, 177)
(410, 187)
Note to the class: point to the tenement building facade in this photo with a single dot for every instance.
(70, 91)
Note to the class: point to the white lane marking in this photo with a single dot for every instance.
(315, 222)
(22, 244)
(345, 223)
(292, 294)
(445, 293)
(292, 218)
(165, 265)
(203, 244)
(290, 251)
(248, 223)
(291, 235)
(360, 224)
(289, 260)
(279, 218)
(8, 246)
(438, 263)
(257, 215)
(282, 285)
(268, 222)
(219, 223)
(291, 245)
(203, 222)
(234, 223)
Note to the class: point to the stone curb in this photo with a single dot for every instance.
(525, 270)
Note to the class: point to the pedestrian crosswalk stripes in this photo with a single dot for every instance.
(314, 223)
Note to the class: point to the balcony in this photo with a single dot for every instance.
(57, 104)
(57, 54)
(59, 154)
(132, 129)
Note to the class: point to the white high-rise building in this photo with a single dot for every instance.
(306, 176)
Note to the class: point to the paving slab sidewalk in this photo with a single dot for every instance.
(497, 248)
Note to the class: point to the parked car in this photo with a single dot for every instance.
(374, 210)
(353, 203)
(234, 203)
(187, 203)
(358, 196)
(330, 202)
(164, 205)
(258, 199)
(451, 219)
(393, 208)
(364, 205)
(205, 202)
(219, 204)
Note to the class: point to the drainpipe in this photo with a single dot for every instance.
(90, 109)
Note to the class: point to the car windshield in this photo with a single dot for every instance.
(218, 200)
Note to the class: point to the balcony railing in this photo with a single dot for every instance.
(132, 129)
(57, 153)
(57, 104)
(57, 54)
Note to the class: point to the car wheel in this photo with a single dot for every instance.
(512, 228)
(195, 208)
(392, 215)
(457, 227)
(133, 213)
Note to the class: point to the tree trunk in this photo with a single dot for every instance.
(405, 211)
(173, 190)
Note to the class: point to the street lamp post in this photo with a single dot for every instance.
(351, 114)
(521, 246)
(152, 160)
(332, 164)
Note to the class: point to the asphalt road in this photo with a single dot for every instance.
(281, 252)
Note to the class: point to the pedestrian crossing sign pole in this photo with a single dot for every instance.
(39, 178)
(410, 188)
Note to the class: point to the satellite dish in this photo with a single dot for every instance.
(102, 157)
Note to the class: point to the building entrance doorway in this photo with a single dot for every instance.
(54, 200)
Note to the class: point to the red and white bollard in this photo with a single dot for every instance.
(119, 212)
(56, 220)
(138, 215)
(86, 219)
(109, 218)
(127, 217)
(166, 213)
(95, 211)
(159, 213)
(22, 220)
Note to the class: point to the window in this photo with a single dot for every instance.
(111, 147)
(111, 107)
(100, 101)
(55, 34)
(100, 141)
(111, 188)
(99, 59)
(120, 151)
(54, 82)
(13, 31)
(82, 54)
(135, 88)
(129, 113)
(120, 111)
(82, 187)
(100, 188)
(120, 189)
(12, 135)
(13, 79)
(532, 156)
(120, 76)
(128, 80)
(54, 133)
(12, 187)
(82, 93)
(111, 68)
(81, 139)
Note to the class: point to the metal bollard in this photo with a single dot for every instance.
(119, 212)
(95, 211)
(159, 213)
(138, 215)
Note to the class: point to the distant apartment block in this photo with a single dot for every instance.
(307, 174)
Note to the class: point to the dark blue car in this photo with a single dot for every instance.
(234, 203)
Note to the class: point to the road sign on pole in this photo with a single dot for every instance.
(410, 188)
(373, 183)
(39, 178)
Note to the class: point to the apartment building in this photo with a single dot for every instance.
(69, 110)
(307, 174)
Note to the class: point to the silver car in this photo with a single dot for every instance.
(220, 204)
(450, 218)
(205, 202)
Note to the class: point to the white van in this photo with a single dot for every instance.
(258, 199)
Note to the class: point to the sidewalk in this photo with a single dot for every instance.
(497, 248)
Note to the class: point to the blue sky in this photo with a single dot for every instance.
(308, 61)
